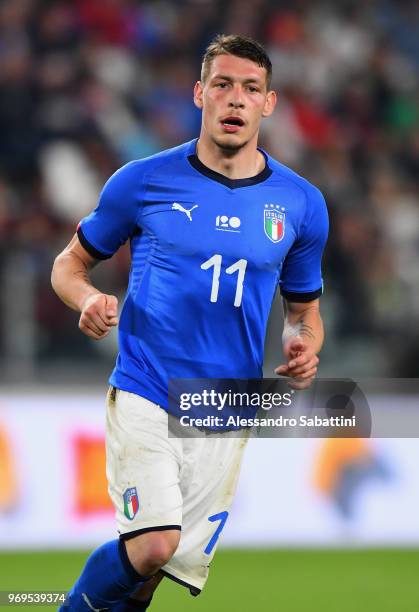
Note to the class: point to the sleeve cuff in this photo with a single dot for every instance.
(294, 296)
(89, 247)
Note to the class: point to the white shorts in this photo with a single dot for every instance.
(158, 483)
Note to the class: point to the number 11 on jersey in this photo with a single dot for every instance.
(238, 266)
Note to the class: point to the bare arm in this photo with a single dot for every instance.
(302, 340)
(304, 320)
(71, 282)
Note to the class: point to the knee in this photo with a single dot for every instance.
(159, 551)
(149, 552)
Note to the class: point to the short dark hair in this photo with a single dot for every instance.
(241, 46)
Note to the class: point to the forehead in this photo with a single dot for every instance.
(239, 68)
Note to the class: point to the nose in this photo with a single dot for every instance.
(236, 100)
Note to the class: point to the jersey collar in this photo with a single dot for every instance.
(221, 178)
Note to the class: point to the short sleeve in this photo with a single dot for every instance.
(114, 219)
(301, 277)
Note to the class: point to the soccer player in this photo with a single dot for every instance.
(215, 226)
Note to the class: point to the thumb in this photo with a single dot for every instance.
(111, 306)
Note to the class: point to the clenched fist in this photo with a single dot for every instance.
(98, 315)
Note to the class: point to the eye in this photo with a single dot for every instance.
(253, 89)
(221, 85)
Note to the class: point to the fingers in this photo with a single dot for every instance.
(92, 324)
(111, 306)
(92, 331)
(300, 382)
(306, 375)
(301, 366)
(282, 370)
(298, 366)
(301, 370)
(99, 315)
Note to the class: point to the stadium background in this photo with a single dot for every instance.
(87, 85)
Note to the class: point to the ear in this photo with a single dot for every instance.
(270, 104)
(197, 94)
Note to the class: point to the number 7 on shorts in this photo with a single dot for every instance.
(222, 517)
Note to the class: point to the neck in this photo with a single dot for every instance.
(235, 164)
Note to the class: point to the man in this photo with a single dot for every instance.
(215, 226)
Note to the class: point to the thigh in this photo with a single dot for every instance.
(142, 465)
(209, 476)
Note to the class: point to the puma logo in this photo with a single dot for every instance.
(177, 206)
(87, 600)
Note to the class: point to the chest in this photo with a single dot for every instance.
(256, 224)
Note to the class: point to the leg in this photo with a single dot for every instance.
(140, 600)
(107, 578)
(145, 592)
(150, 551)
(142, 469)
(117, 568)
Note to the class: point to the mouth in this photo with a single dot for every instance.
(232, 124)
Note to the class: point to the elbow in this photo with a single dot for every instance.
(54, 273)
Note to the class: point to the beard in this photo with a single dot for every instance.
(229, 148)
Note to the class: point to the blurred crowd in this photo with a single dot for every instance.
(87, 85)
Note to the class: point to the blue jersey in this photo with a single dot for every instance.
(208, 254)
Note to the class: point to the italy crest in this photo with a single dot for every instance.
(274, 223)
(131, 503)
